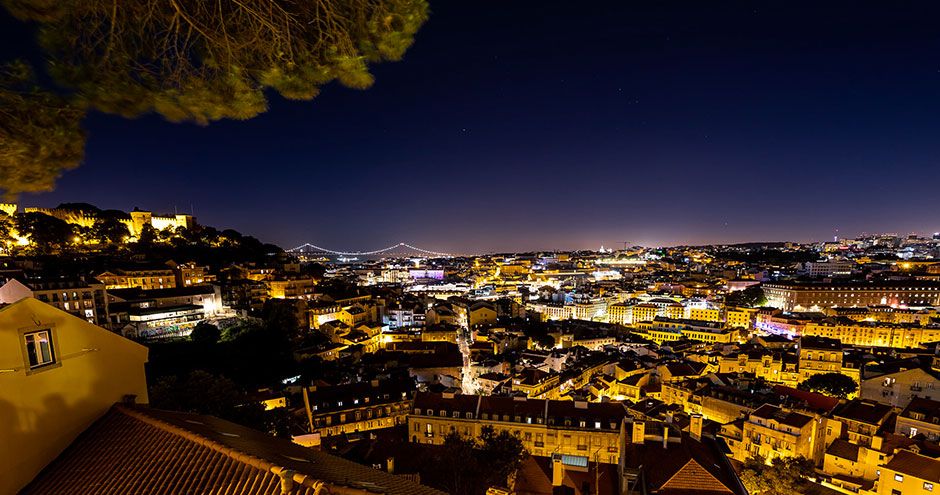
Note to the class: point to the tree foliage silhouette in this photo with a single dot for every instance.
(187, 60)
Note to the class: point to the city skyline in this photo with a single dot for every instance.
(656, 125)
(392, 247)
(442, 247)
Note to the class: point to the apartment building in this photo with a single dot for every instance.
(799, 296)
(76, 296)
(357, 407)
(909, 473)
(861, 333)
(590, 430)
(147, 278)
(771, 431)
(862, 420)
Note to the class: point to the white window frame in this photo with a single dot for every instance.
(55, 360)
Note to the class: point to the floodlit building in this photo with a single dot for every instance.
(873, 333)
(920, 417)
(147, 278)
(160, 313)
(590, 431)
(821, 355)
(861, 420)
(909, 473)
(740, 317)
(900, 386)
(356, 407)
(795, 296)
(292, 288)
(771, 431)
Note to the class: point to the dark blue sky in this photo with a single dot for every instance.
(534, 124)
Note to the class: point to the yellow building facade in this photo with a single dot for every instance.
(909, 473)
(58, 374)
(874, 333)
(740, 317)
(771, 432)
(546, 427)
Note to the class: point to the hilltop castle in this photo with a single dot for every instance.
(135, 223)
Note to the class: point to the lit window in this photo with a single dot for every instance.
(928, 486)
(898, 477)
(39, 349)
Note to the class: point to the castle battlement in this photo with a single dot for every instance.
(135, 223)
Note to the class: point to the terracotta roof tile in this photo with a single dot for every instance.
(907, 462)
(139, 450)
(863, 411)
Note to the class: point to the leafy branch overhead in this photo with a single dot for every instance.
(187, 60)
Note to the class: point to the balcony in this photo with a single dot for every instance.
(539, 444)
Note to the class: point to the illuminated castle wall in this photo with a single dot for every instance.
(67, 216)
(134, 224)
(159, 222)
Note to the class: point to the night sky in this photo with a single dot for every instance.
(514, 125)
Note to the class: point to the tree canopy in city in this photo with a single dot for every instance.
(205, 393)
(783, 476)
(469, 466)
(750, 297)
(40, 132)
(45, 232)
(834, 384)
(187, 60)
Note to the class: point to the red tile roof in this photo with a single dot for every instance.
(864, 411)
(689, 467)
(816, 402)
(140, 450)
(907, 462)
(782, 416)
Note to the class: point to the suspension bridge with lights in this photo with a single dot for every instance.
(400, 249)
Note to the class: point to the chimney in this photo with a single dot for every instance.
(390, 465)
(665, 436)
(877, 442)
(695, 427)
(558, 471)
(639, 432)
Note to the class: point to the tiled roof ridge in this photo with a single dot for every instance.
(701, 470)
(288, 476)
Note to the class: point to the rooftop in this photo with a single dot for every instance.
(919, 466)
(141, 450)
